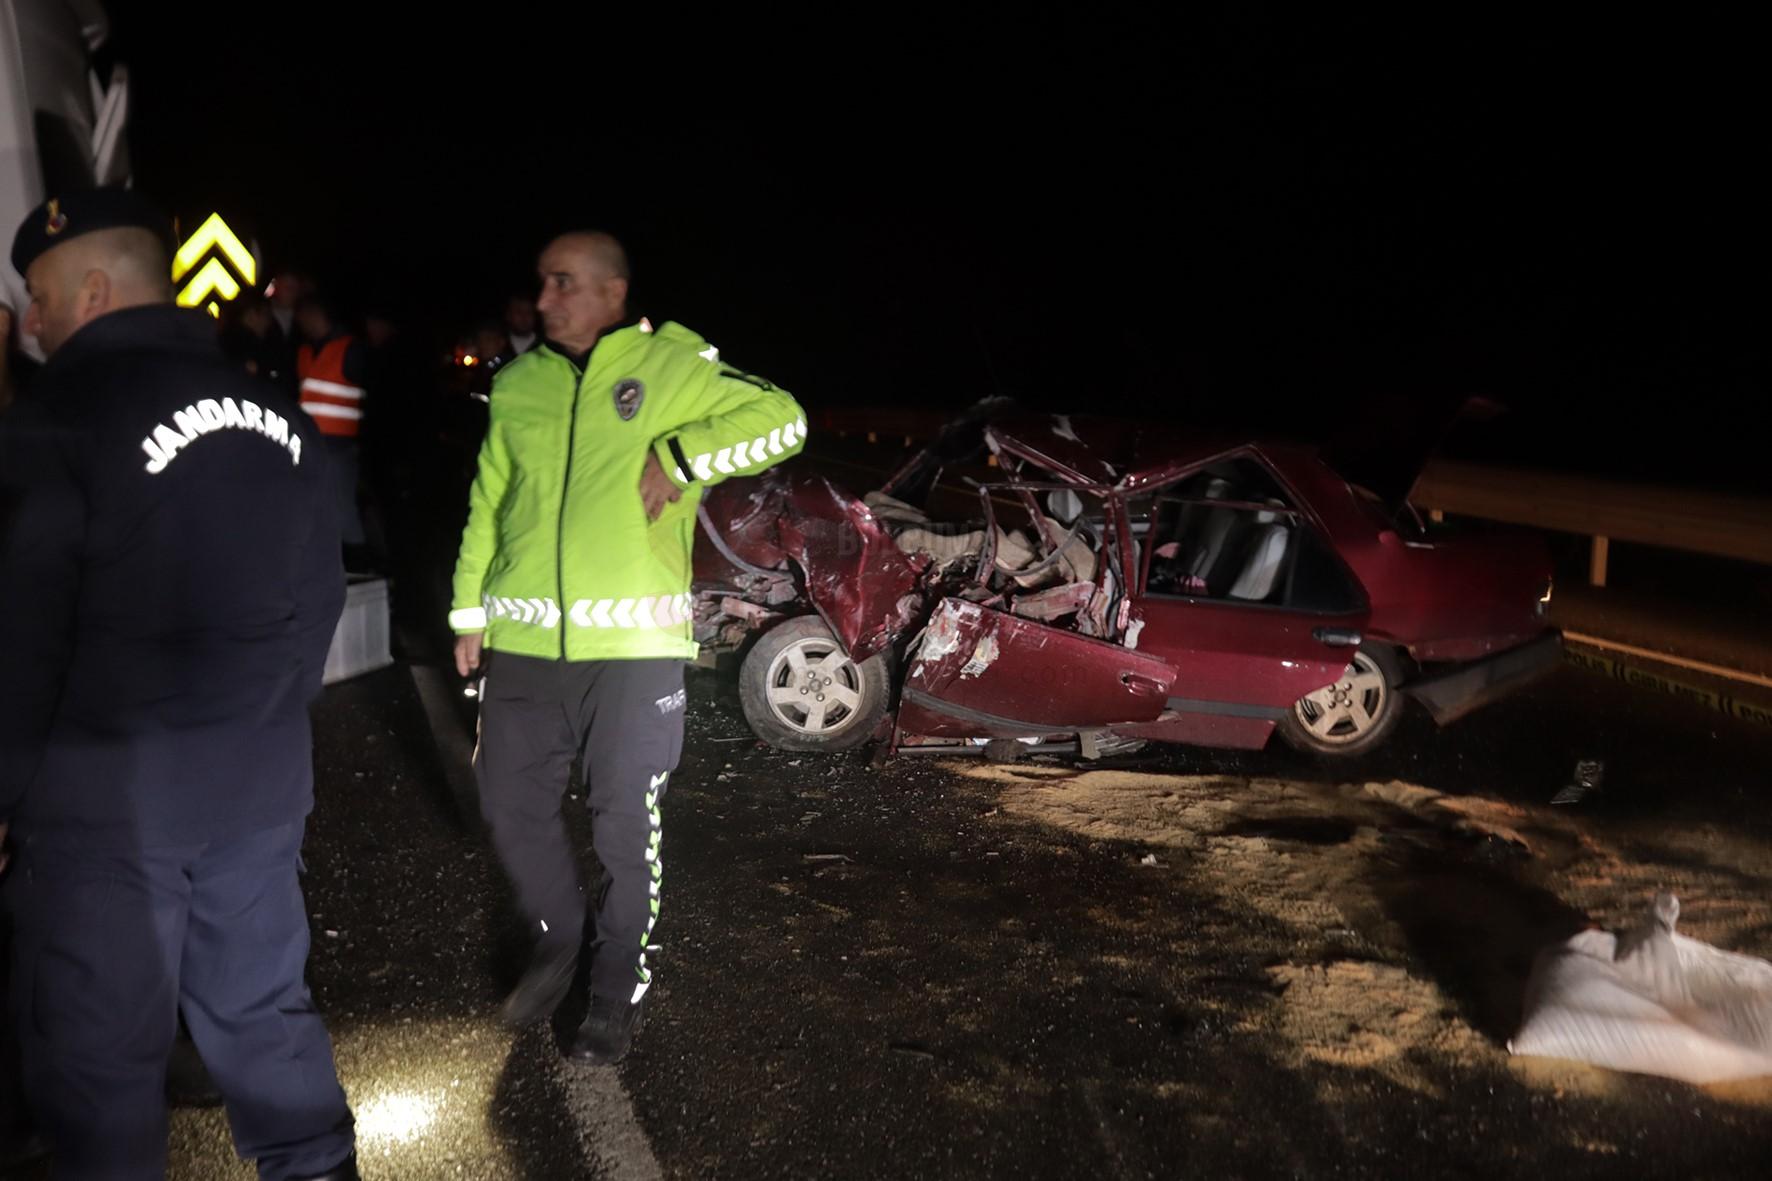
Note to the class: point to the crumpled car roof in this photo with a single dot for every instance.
(1105, 451)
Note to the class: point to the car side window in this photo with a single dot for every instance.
(1229, 533)
(1318, 581)
(1210, 550)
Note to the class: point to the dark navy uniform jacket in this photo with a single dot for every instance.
(170, 578)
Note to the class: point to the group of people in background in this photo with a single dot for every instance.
(392, 423)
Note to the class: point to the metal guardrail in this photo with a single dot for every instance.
(1669, 518)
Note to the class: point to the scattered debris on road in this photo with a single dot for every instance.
(1588, 774)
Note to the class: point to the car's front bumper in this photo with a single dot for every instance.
(1448, 696)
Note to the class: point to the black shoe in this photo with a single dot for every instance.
(607, 1032)
(543, 987)
(345, 1170)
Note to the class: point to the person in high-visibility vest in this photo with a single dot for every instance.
(330, 369)
(574, 573)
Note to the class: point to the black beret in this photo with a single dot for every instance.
(62, 219)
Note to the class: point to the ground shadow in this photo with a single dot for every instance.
(1472, 925)
(530, 1116)
(1305, 830)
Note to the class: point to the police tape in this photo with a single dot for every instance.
(1758, 713)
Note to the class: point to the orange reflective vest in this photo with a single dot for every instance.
(335, 405)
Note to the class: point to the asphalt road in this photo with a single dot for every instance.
(1188, 964)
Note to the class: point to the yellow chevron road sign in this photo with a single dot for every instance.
(230, 266)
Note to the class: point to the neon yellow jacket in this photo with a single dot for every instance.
(558, 559)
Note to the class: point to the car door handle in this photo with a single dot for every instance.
(1337, 637)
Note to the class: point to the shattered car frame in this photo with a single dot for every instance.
(1114, 584)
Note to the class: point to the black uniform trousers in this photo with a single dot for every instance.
(626, 719)
(109, 947)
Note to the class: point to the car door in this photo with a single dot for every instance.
(982, 672)
(1241, 593)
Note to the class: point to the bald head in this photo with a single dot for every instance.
(598, 249)
(89, 276)
(584, 288)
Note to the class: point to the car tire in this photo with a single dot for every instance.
(1354, 715)
(800, 691)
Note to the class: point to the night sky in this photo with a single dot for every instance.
(1251, 220)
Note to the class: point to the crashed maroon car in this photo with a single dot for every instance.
(1099, 585)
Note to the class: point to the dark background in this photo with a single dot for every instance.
(1249, 219)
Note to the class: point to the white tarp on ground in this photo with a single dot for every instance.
(1651, 1001)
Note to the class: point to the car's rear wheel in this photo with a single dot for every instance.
(1351, 716)
(800, 690)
